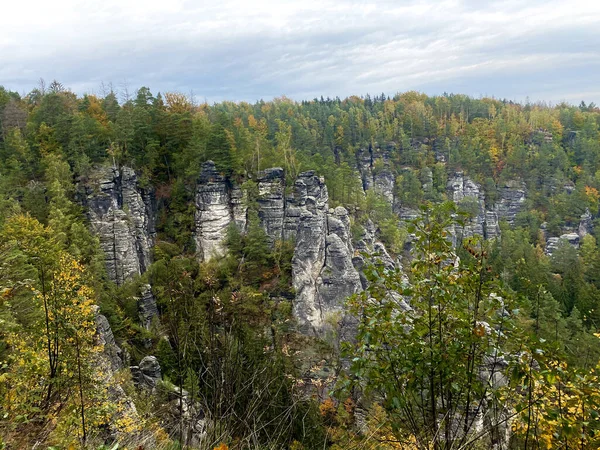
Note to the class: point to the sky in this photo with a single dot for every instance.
(243, 50)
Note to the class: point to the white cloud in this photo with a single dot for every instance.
(242, 50)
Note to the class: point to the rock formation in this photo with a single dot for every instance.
(512, 201)
(108, 363)
(147, 306)
(147, 374)
(111, 353)
(553, 243)
(213, 212)
(469, 196)
(375, 172)
(585, 224)
(322, 271)
(121, 214)
(271, 202)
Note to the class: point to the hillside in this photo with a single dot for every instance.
(372, 272)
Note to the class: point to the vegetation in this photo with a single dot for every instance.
(226, 333)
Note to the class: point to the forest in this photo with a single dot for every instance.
(410, 272)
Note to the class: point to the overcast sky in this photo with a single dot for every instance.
(248, 50)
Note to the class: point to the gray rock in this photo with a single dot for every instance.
(585, 224)
(338, 278)
(381, 253)
(122, 215)
(147, 374)
(104, 335)
(365, 244)
(307, 263)
(569, 187)
(512, 201)
(338, 223)
(375, 171)
(364, 161)
(239, 206)
(492, 227)
(213, 213)
(465, 192)
(271, 202)
(182, 409)
(147, 306)
(323, 273)
(406, 214)
(427, 180)
(552, 243)
(108, 363)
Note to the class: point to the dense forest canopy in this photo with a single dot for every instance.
(226, 330)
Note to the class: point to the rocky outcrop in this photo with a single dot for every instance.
(586, 225)
(147, 374)
(512, 201)
(383, 177)
(122, 215)
(554, 242)
(375, 171)
(184, 411)
(469, 196)
(271, 202)
(309, 254)
(364, 162)
(147, 306)
(239, 207)
(111, 352)
(108, 362)
(492, 227)
(322, 270)
(213, 212)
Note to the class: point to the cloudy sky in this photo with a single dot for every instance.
(248, 50)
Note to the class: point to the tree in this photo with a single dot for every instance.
(422, 362)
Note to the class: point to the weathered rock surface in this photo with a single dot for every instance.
(322, 270)
(239, 206)
(585, 224)
(364, 162)
(375, 171)
(554, 242)
(492, 227)
(122, 215)
(271, 202)
(469, 196)
(383, 177)
(147, 306)
(108, 363)
(182, 409)
(111, 351)
(512, 201)
(147, 374)
(213, 212)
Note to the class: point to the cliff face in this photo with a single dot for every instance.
(485, 222)
(122, 215)
(322, 270)
(325, 266)
(467, 194)
(512, 199)
(214, 212)
(374, 166)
